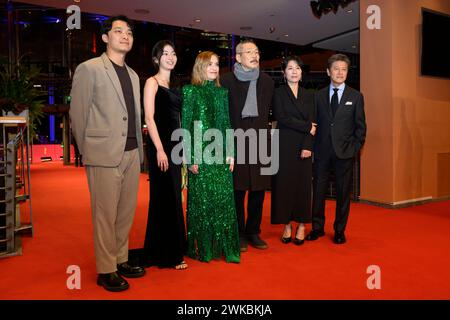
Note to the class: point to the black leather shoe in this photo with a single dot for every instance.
(243, 244)
(298, 242)
(339, 238)
(314, 235)
(112, 282)
(255, 241)
(126, 270)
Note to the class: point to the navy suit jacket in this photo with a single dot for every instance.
(347, 128)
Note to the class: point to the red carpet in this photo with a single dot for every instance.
(411, 246)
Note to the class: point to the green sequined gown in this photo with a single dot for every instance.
(212, 230)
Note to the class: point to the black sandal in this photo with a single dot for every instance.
(182, 266)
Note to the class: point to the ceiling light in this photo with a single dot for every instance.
(197, 20)
(286, 35)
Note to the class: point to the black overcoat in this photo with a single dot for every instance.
(248, 176)
(291, 186)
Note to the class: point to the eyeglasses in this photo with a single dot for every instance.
(250, 52)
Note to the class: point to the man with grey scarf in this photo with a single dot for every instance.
(250, 97)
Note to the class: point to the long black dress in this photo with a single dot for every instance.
(291, 186)
(165, 237)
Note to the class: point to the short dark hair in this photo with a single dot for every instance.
(338, 57)
(107, 24)
(158, 50)
(286, 60)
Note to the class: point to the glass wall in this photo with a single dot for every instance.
(40, 38)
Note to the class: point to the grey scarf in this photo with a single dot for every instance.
(251, 105)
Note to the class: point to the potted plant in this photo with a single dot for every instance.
(18, 96)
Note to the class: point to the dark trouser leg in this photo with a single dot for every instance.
(239, 197)
(254, 208)
(320, 184)
(343, 174)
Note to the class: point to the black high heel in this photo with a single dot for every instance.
(286, 240)
(298, 241)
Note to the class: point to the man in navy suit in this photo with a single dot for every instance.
(341, 131)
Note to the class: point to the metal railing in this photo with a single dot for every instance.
(14, 185)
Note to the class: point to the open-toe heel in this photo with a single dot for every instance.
(183, 265)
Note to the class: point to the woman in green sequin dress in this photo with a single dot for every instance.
(212, 229)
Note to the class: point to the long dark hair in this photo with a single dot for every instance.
(158, 50)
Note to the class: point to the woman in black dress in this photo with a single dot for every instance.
(293, 108)
(165, 237)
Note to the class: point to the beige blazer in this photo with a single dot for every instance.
(98, 113)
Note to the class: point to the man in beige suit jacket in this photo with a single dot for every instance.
(105, 115)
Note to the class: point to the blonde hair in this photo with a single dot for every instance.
(200, 65)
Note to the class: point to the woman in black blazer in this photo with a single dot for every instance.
(293, 108)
